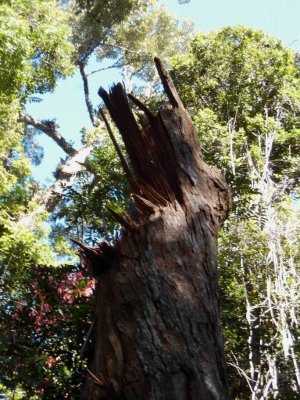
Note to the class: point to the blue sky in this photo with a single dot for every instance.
(279, 18)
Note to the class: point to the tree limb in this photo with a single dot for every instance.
(66, 173)
(124, 48)
(114, 65)
(49, 128)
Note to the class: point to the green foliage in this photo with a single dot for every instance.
(151, 32)
(34, 53)
(93, 21)
(100, 188)
(240, 82)
(34, 50)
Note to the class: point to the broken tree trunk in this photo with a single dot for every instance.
(158, 328)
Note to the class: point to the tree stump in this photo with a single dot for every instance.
(158, 328)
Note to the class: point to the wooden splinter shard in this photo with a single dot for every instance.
(125, 166)
(141, 106)
(96, 259)
(168, 85)
(154, 174)
(123, 221)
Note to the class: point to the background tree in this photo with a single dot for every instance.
(242, 89)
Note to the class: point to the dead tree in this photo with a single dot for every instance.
(158, 328)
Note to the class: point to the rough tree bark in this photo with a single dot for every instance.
(158, 329)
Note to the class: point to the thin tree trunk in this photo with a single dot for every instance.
(158, 329)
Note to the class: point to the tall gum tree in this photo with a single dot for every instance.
(158, 329)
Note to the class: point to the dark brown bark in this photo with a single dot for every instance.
(158, 329)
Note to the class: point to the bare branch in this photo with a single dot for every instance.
(126, 169)
(117, 64)
(124, 48)
(114, 65)
(49, 128)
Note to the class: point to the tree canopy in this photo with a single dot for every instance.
(243, 82)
